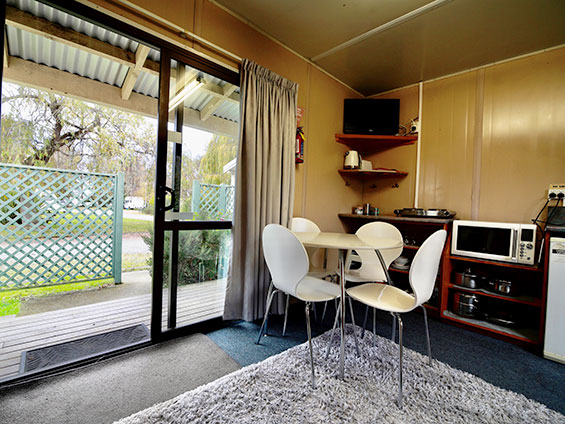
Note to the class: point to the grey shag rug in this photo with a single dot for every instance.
(278, 390)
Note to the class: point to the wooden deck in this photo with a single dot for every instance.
(196, 303)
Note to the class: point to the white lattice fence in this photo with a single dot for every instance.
(58, 226)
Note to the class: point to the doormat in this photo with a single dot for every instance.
(63, 353)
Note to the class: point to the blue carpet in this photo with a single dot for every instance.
(500, 363)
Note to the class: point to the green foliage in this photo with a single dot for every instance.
(201, 255)
(46, 129)
(220, 151)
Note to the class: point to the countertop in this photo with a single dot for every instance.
(555, 229)
(396, 218)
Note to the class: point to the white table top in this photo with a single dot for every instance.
(346, 241)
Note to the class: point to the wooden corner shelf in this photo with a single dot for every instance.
(364, 142)
(370, 174)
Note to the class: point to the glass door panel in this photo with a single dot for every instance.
(195, 192)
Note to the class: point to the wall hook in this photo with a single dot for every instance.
(347, 184)
(395, 185)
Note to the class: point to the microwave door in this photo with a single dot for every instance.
(486, 242)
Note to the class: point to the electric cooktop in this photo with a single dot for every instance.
(424, 213)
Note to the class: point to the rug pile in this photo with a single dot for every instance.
(278, 390)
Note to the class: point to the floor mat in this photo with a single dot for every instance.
(48, 357)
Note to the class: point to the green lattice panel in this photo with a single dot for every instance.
(216, 201)
(56, 226)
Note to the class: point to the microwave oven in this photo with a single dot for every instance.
(497, 241)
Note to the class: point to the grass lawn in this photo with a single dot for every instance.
(135, 261)
(10, 300)
(136, 226)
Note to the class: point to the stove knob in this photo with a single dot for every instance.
(529, 246)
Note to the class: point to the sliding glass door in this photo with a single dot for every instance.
(195, 169)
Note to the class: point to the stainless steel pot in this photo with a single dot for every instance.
(502, 287)
(466, 304)
(468, 279)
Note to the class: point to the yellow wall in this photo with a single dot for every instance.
(320, 192)
(492, 139)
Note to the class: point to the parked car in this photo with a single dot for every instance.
(133, 202)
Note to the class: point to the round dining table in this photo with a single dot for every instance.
(343, 243)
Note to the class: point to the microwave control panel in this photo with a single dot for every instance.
(526, 246)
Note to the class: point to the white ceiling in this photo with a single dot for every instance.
(395, 43)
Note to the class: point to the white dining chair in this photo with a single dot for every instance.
(288, 264)
(318, 260)
(422, 277)
(371, 269)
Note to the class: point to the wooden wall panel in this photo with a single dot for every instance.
(524, 136)
(381, 192)
(326, 193)
(447, 144)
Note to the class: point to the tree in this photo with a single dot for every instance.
(220, 151)
(46, 129)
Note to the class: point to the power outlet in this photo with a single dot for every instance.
(556, 191)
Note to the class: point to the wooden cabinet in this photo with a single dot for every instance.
(414, 231)
(517, 317)
(366, 144)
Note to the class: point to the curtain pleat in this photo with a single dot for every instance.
(264, 183)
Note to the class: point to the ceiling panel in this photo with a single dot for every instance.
(312, 27)
(455, 36)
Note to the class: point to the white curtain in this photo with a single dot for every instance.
(264, 183)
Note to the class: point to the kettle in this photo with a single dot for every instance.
(352, 160)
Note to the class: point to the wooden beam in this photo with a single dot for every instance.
(133, 73)
(217, 91)
(42, 27)
(42, 77)
(215, 102)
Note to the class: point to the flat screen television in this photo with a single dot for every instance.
(371, 116)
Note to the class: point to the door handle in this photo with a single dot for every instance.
(173, 198)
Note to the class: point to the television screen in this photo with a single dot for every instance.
(371, 116)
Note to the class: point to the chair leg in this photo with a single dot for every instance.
(324, 311)
(309, 331)
(374, 327)
(400, 328)
(353, 322)
(429, 346)
(393, 337)
(285, 314)
(337, 312)
(365, 321)
(270, 295)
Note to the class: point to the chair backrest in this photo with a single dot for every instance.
(425, 264)
(370, 265)
(303, 225)
(285, 256)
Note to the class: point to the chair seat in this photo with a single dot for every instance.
(312, 289)
(383, 297)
